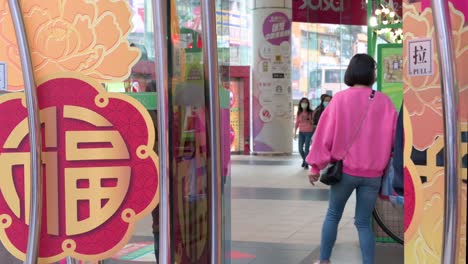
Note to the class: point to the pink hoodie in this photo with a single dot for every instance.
(369, 154)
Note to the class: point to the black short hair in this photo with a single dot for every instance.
(361, 70)
(324, 96)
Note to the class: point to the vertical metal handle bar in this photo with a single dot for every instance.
(34, 135)
(210, 57)
(71, 260)
(451, 128)
(160, 39)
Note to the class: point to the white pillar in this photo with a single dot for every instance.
(271, 98)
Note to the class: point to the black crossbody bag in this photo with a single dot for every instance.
(334, 172)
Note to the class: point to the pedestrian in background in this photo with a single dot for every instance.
(304, 123)
(324, 101)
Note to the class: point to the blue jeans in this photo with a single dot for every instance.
(304, 144)
(367, 190)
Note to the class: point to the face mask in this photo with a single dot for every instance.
(325, 104)
(304, 105)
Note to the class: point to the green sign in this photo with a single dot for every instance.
(390, 71)
(224, 98)
(148, 99)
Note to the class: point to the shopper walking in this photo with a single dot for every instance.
(306, 129)
(358, 127)
(324, 101)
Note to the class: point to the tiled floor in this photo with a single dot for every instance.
(276, 209)
(276, 217)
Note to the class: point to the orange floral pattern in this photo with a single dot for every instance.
(424, 131)
(423, 93)
(89, 37)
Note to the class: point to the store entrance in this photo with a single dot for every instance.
(161, 59)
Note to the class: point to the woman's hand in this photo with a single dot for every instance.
(313, 178)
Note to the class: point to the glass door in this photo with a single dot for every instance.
(182, 93)
(190, 215)
(196, 163)
(185, 216)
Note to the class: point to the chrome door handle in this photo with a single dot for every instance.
(160, 39)
(451, 129)
(210, 56)
(34, 125)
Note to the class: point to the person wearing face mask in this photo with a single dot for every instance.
(324, 101)
(306, 128)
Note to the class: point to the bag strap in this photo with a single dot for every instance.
(364, 115)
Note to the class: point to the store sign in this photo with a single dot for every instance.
(420, 52)
(344, 12)
(100, 172)
(330, 11)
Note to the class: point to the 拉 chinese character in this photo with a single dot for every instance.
(419, 55)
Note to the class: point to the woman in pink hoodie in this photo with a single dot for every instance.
(358, 127)
(304, 122)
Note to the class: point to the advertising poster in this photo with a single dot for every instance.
(390, 71)
(272, 99)
(424, 135)
(236, 111)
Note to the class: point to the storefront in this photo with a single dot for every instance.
(128, 103)
(117, 110)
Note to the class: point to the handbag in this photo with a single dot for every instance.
(333, 173)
